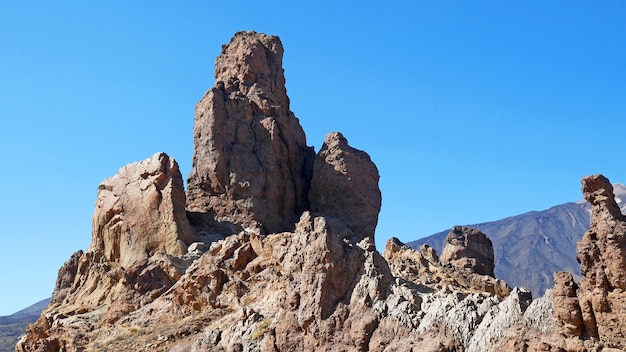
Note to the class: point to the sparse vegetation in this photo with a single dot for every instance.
(135, 329)
(261, 329)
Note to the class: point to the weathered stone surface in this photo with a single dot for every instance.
(566, 307)
(602, 257)
(590, 316)
(345, 186)
(469, 248)
(251, 165)
(421, 268)
(140, 211)
(302, 290)
(139, 229)
(321, 285)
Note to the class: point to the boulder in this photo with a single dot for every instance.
(345, 186)
(469, 248)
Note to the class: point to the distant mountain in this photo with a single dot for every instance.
(530, 247)
(12, 326)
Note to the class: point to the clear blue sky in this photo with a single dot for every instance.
(472, 112)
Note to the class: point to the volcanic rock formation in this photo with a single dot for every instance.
(596, 311)
(589, 316)
(529, 248)
(345, 186)
(251, 165)
(296, 268)
(140, 211)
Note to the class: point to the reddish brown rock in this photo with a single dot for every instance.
(422, 267)
(591, 316)
(139, 227)
(602, 257)
(251, 165)
(140, 211)
(345, 186)
(566, 307)
(469, 248)
(320, 286)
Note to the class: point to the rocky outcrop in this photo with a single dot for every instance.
(139, 243)
(140, 211)
(590, 315)
(424, 268)
(345, 186)
(251, 165)
(296, 267)
(469, 248)
(303, 290)
(597, 309)
(529, 248)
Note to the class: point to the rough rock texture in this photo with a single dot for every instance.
(140, 238)
(469, 248)
(601, 308)
(425, 269)
(319, 286)
(303, 290)
(140, 211)
(251, 165)
(591, 315)
(566, 307)
(345, 186)
(529, 248)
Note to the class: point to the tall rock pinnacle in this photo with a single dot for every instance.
(251, 165)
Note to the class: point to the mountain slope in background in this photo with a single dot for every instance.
(530, 247)
(12, 326)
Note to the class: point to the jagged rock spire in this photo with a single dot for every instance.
(251, 165)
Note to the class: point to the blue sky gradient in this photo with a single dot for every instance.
(473, 111)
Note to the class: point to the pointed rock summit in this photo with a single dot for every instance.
(251, 164)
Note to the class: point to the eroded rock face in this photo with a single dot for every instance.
(139, 239)
(148, 282)
(251, 165)
(345, 186)
(469, 248)
(602, 257)
(424, 268)
(566, 307)
(303, 290)
(591, 315)
(140, 211)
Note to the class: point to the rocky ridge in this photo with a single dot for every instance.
(271, 249)
(530, 247)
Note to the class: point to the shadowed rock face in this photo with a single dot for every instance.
(251, 165)
(345, 186)
(469, 248)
